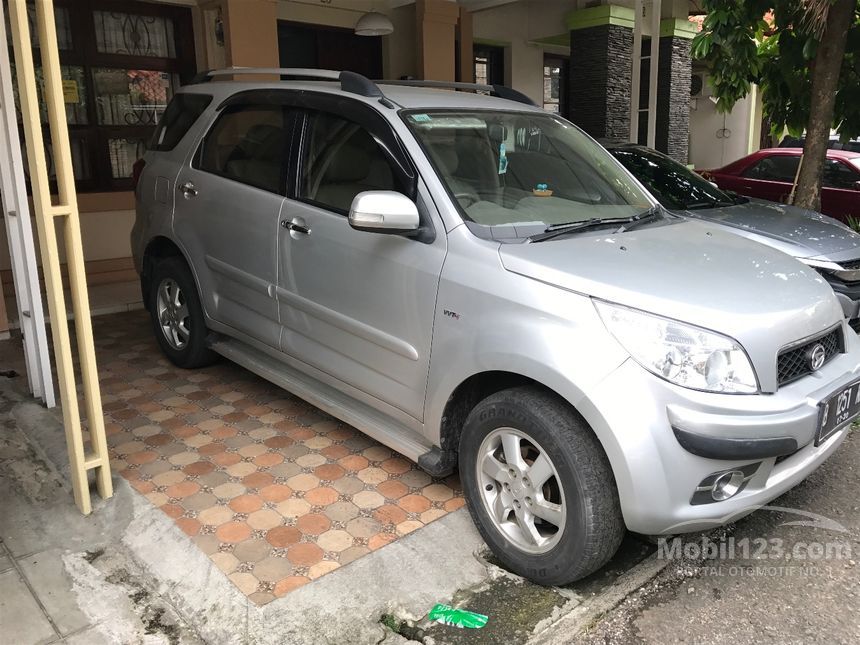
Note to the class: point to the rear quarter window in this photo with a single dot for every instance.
(181, 113)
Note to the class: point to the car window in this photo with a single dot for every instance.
(524, 168)
(340, 159)
(181, 113)
(674, 185)
(838, 175)
(249, 144)
(774, 168)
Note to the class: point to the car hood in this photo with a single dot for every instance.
(796, 231)
(694, 273)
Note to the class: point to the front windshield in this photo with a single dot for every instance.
(508, 168)
(675, 186)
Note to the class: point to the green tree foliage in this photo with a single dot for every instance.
(743, 48)
(804, 54)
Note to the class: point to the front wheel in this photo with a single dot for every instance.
(177, 316)
(539, 486)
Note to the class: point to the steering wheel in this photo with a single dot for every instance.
(467, 196)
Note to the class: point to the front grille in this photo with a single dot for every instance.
(854, 323)
(793, 362)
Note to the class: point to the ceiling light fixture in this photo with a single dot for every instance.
(373, 23)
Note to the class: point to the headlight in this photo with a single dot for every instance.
(680, 353)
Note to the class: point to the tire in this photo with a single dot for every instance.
(182, 337)
(580, 488)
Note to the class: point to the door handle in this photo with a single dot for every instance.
(187, 189)
(295, 228)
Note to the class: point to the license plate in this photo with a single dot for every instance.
(837, 411)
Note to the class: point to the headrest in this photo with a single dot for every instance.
(351, 162)
(263, 141)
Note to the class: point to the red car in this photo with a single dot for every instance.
(769, 174)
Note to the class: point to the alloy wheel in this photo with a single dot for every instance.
(173, 316)
(521, 490)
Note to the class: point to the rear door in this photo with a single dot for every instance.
(155, 190)
(358, 306)
(840, 197)
(228, 200)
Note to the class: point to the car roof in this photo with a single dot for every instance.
(402, 96)
(614, 145)
(832, 153)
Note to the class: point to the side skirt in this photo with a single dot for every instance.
(369, 421)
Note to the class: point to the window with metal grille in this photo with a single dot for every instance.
(122, 60)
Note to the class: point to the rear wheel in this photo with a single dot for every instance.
(539, 486)
(177, 316)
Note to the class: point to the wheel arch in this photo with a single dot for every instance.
(159, 247)
(478, 386)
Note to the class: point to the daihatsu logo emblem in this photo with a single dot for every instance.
(817, 357)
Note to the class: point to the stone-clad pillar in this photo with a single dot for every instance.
(601, 55)
(673, 88)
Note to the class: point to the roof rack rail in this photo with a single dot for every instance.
(499, 91)
(363, 86)
(349, 81)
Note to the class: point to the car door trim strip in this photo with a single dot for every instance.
(349, 325)
(244, 278)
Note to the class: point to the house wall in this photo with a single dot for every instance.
(517, 27)
(718, 139)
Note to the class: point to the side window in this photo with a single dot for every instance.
(774, 168)
(838, 175)
(248, 144)
(341, 159)
(181, 113)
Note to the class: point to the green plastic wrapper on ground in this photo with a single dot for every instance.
(461, 618)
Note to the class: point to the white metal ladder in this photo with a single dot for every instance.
(19, 232)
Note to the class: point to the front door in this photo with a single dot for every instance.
(358, 306)
(227, 207)
(768, 178)
(840, 197)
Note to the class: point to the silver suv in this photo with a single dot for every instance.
(477, 284)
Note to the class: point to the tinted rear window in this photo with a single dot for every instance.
(179, 116)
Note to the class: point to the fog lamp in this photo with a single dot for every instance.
(727, 485)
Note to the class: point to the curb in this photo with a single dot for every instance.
(567, 627)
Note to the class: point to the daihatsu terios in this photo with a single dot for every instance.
(477, 284)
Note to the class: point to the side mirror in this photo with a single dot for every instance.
(383, 211)
(857, 185)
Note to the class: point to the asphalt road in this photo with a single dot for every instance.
(803, 587)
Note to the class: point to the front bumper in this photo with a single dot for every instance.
(637, 415)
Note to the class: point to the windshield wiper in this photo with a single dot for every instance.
(571, 227)
(641, 218)
(714, 203)
(560, 229)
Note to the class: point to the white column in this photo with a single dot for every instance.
(653, 58)
(636, 85)
(656, 8)
(19, 232)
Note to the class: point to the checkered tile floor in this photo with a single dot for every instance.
(275, 491)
